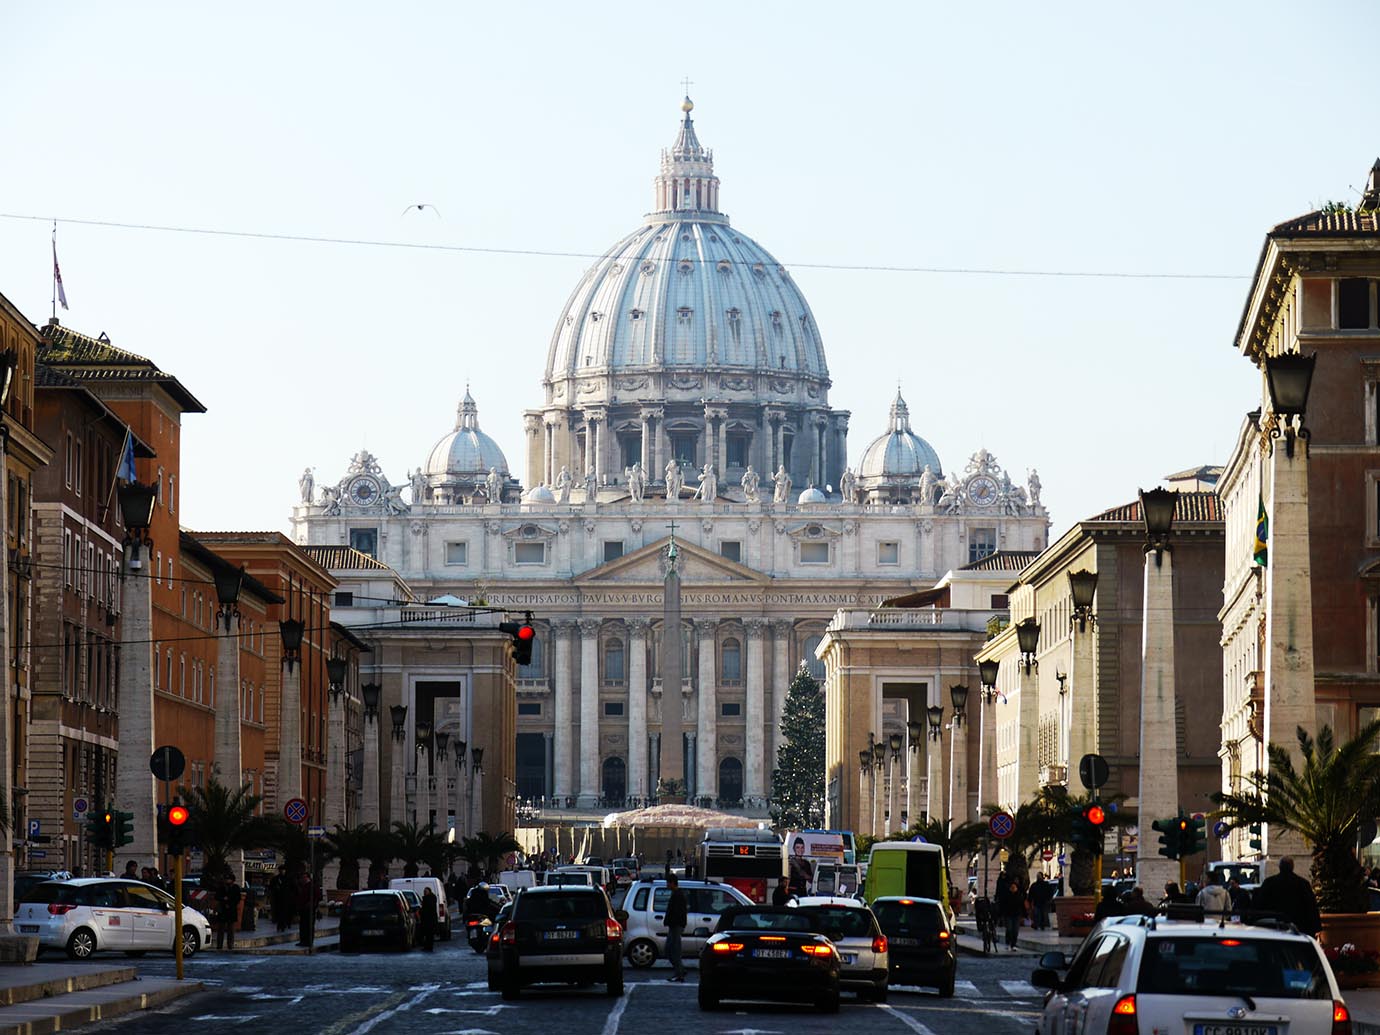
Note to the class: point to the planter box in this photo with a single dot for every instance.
(1067, 908)
(1350, 982)
(1359, 929)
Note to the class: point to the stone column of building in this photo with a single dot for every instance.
(549, 781)
(134, 790)
(228, 761)
(589, 712)
(369, 799)
(878, 796)
(637, 706)
(755, 785)
(333, 813)
(397, 791)
(1159, 756)
(290, 735)
(893, 792)
(1082, 706)
(864, 806)
(780, 681)
(477, 799)
(935, 804)
(564, 719)
(706, 728)
(654, 748)
(421, 796)
(913, 755)
(442, 789)
(691, 762)
(958, 772)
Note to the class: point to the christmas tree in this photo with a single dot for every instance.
(797, 792)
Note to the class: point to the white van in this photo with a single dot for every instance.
(419, 885)
(516, 880)
(597, 876)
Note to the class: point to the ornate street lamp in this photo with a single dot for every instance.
(958, 694)
(935, 714)
(915, 732)
(1083, 587)
(291, 630)
(399, 714)
(477, 755)
(370, 693)
(879, 754)
(895, 742)
(865, 759)
(336, 670)
(136, 510)
(987, 676)
(422, 731)
(1289, 378)
(1157, 511)
(228, 583)
(442, 742)
(460, 750)
(1028, 641)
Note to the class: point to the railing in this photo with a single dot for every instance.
(902, 618)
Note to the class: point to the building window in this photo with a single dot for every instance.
(613, 663)
(613, 549)
(731, 662)
(731, 549)
(529, 553)
(730, 708)
(344, 598)
(999, 602)
(683, 445)
(529, 707)
(982, 542)
(172, 494)
(814, 553)
(537, 669)
(889, 552)
(77, 470)
(613, 707)
(738, 445)
(1353, 304)
(457, 553)
(365, 540)
(630, 445)
(812, 664)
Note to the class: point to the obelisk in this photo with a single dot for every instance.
(672, 709)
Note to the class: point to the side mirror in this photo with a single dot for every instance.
(1043, 977)
(621, 915)
(1054, 961)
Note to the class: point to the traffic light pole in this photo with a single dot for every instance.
(177, 913)
(1097, 857)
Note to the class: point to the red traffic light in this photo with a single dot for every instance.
(1095, 815)
(109, 817)
(1183, 824)
(177, 815)
(526, 632)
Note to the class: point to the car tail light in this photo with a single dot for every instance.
(1341, 1018)
(59, 908)
(1123, 1019)
(510, 933)
(728, 946)
(943, 936)
(817, 950)
(879, 943)
(613, 930)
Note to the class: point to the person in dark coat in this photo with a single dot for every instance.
(1291, 896)
(780, 894)
(1011, 908)
(306, 907)
(1041, 894)
(227, 913)
(677, 913)
(280, 893)
(426, 930)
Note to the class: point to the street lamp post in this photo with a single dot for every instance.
(462, 801)
(958, 755)
(422, 795)
(878, 760)
(337, 671)
(988, 670)
(442, 741)
(229, 756)
(290, 712)
(1159, 768)
(915, 742)
(1080, 703)
(864, 772)
(935, 806)
(477, 789)
(369, 800)
(894, 743)
(397, 797)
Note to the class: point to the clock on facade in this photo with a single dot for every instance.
(363, 490)
(982, 490)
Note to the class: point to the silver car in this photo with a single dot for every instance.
(644, 904)
(864, 960)
(101, 914)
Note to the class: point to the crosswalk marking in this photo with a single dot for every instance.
(965, 988)
(1018, 988)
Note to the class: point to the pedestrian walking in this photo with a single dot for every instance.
(1214, 898)
(1289, 895)
(1041, 893)
(280, 893)
(227, 913)
(306, 905)
(780, 894)
(1011, 909)
(426, 930)
(677, 911)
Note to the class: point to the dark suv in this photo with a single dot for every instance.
(561, 934)
(920, 941)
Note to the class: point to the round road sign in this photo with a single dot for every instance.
(80, 805)
(1001, 825)
(167, 763)
(1047, 855)
(295, 811)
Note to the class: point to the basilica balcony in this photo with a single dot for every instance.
(687, 688)
(902, 619)
(533, 687)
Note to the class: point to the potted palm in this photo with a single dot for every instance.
(1324, 801)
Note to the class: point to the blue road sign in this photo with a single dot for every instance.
(295, 811)
(1221, 829)
(1001, 825)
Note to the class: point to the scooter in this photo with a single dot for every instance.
(478, 927)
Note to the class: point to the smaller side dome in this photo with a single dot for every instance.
(812, 495)
(898, 454)
(540, 494)
(466, 453)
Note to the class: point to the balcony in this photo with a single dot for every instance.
(1051, 775)
(900, 619)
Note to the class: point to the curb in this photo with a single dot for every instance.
(55, 1015)
(83, 981)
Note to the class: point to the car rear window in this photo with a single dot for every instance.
(843, 922)
(536, 908)
(748, 920)
(1268, 968)
(371, 905)
(49, 893)
(903, 919)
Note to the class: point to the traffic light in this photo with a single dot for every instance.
(122, 828)
(1255, 840)
(1194, 838)
(1096, 818)
(179, 829)
(523, 637)
(1170, 839)
(1080, 835)
(100, 828)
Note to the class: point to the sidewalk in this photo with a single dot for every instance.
(1028, 941)
(39, 998)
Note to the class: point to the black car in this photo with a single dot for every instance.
(763, 952)
(376, 917)
(920, 941)
(492, 952)
(561, 934)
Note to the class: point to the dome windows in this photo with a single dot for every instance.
(734, 315)
(648, 267)
(724, 266)
(686, 267)
(684, 313)
(686, 237)
(635, 315)
(596, 316)
(758, 270)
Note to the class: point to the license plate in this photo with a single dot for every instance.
(28, 928)
(772, 954)
(552, 936)
(849, 957)
(1235, 1029)
(905, 941)
(373, 932)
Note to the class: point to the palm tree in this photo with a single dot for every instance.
(414, 845)
(1046, 822)
(222, 821)
(483, 850)
(350, 845)
(1337, 789)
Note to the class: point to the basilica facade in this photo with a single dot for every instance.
(685, 395)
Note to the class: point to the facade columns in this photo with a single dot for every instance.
(397, 796)
(913, 753)
(228, 762)
(589, 712)
(893, 816)
(369, 800)
(333, 810)
(707, 761)
(780, 680)
(477, 800)
(548, 782)
(878, 821)
(133, 781)
(421, 798)
(958, 775)
(289, 735)
(637, 700)
(564, 719)
(863, 804)
(1159, 758)
(755, 782)
(442, 790)
(935, 805)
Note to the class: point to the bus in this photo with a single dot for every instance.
(750, 860)
(912, 868)
(822, 862)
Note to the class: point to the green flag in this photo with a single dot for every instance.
(1262, 536)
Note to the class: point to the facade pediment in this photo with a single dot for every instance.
(531, 532)
(648, 565)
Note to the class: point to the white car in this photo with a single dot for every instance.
(1145, 974)
(864, 959)
(644, 904)
(107, 914)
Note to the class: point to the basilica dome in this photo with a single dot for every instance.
(465, 453)
(900, 453)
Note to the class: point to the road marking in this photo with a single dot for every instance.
(616, 1014)
(423, 991)
(1019, 988)
(240, 1019)
(909, 1022)
(966, 987)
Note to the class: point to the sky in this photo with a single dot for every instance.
(1048, 159)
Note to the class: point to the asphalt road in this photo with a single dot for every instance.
(446, 993)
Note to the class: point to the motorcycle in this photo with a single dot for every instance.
(478, 928)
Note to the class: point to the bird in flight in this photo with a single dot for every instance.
(419, 207)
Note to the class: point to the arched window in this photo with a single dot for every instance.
(812, 663)
(615, 781)
(537, 668)
(613, 663)
(730, 782)
(731, 662)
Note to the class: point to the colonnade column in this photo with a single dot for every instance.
(228, 756)
(421, 798)
(133, 781)
(1159, 759)
(562, 715)
(755, 789)
(333, 811)
(369, 800)
(290, 735)
(637, 703)
(780, 680)
(935, 804)
(589, 712)
(397, 797)
(706, 757)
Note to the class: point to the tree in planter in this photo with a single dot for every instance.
(1046, 821)
(483, 850)
(222, 821)
(797, 782)
(350, 845)
(1324, 802)
(415, 845)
